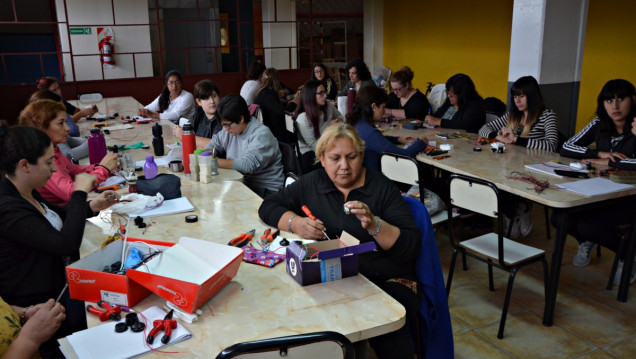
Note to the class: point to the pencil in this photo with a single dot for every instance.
(62, 292)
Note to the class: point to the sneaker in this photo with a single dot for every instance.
(583, 256)
(524, 210)
(619, 273)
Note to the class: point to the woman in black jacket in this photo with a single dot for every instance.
(463, 109)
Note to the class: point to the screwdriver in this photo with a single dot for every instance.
(310, 215)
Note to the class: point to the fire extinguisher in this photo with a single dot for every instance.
(106, 50)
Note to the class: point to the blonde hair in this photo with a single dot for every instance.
(40, 113)
(334, 132)
(270, 80)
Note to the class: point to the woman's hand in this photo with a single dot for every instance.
(407, 139)
(110, 161)
(177, 132)
(432, 120)
(44, 321)
(84, 182)
(363, 213)
(308, 228)
(104, 200)
(148, 114)
(506, 135)
(612, 156)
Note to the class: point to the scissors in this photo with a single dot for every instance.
(166, 324)
(243, 239)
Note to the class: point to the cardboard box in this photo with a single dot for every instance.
(334, 259)
(189, 273)
(87, 280)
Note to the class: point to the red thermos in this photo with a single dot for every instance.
(351, 99)
(188, 144)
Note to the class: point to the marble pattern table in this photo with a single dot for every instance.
(260, 302)
(497, 167)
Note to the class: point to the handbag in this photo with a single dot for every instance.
(167, 184)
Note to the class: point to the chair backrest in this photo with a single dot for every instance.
(474, 195)
(401, 169)
(90, 97)
(437, 96)
(312, 345)
(290, 178)
(290, 160)
(491, 117)
(289, 122)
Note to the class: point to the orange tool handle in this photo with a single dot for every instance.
(266, 234)
(273, 235)
(105, 188)
(308, 212)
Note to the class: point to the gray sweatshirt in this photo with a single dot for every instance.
(255, 153)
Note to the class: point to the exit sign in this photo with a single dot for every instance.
(80, 31)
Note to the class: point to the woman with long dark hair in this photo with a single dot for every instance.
(254, 73)
(614, 133)
(359, 77)
(369, 110)
(320, 73)
(528, 122)
(463, 109)
(272, 109)
(51, 84)
(313, 115)
(173, 103)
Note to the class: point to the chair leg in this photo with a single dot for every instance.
(491, 285)
(464, 264)
(504, 313)
(545, 278)
(450, 272)
(547, 222)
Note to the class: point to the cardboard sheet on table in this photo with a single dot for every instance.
(103, 342)
(171, 206)
(594, 186)
(118, 127)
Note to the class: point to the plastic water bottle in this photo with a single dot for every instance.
(150, 167)
(157, 139)
(351, 99)
(96, 146)
(188, 144)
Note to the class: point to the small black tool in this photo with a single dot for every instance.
(284, 242)
(477, 149)
(573, 174)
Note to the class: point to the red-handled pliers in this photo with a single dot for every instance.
(166, 324)
(243, 239)
(109, 312)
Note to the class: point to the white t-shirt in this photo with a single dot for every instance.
(248, 91)
(182, 106)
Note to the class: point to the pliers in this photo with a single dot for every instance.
(166, 324)
(243, 239)
(109, 312)
(267, 238)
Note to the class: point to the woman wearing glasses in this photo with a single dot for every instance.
(405, 101)
(313, 115)
(173, 103)
(320, 74)
(463, 109)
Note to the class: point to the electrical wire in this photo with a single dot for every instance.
(539, 186)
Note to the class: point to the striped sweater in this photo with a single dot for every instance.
(578, 146)
(544, 135)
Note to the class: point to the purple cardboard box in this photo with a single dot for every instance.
(334, 260)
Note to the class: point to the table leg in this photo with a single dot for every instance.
(555, 267)
(623, 288)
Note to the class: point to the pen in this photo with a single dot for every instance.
(62, 292)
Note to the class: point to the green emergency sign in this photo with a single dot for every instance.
(80, 31)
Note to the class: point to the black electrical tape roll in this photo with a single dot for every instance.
(138, 327)
(191, 219)
(121, 327)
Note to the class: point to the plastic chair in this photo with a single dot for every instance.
(90, 97)
(404, 169)
(313, 345)
(492, 248)
(433, 325)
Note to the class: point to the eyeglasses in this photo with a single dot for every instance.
(321, 93)
(227, 125)
(399, 89)
(174, 83)
(319, 71)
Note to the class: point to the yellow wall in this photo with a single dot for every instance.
(609, 53)
(438, 40)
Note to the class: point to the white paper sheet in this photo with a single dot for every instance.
(594, 186)
(171, 206)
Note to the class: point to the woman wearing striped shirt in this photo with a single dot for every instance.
(528, 122)
(611, 130)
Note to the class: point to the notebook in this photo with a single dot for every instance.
(171, 206)
(103, 342)
(594, 186)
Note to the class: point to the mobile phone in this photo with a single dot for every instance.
(573, 174)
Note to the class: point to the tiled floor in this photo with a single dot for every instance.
(589, 323)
